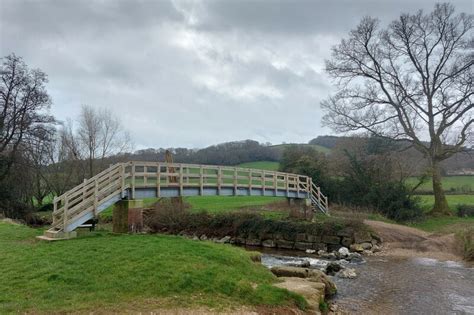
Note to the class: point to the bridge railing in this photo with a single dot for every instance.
(179, 175)
(97, 190)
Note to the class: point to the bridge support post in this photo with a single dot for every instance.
(128, 216)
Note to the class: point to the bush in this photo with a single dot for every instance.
(369, 183)
(466, 238)
(240, 224)
(465, 210)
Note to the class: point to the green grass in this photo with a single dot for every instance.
(453, 200)
(315, 146)
(262, 165)
(119, 273)
(445, 224)
(214, 204)
(450, 183)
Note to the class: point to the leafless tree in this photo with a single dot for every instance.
(412, 80)
(100, 134)
(23, 108)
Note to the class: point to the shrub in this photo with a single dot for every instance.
(240, 224)
(465, 210)
(466, 239)
(369, 184)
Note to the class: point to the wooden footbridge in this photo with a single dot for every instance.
(137, 180)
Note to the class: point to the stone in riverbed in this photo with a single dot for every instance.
(347, 241)
(356, 248)
(376, 248)
(333, 267)
(347, 273)
(203, 237)
(313, 292)
(343, 252)
(355, 257)
(310, 251)
(366, 245)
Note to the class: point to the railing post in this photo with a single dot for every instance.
(96, 196)
(235, 181)
(263, 183)
(122, 181)
(66, 205)
(287, 186)
(219, 180)
(201, 180)
(275, 184)
(133, 180)
(180, 179)
(145, 177)
(158, 180)
(250, 182)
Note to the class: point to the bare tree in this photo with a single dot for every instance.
(100, 134)
(412, 80)
(23, 108)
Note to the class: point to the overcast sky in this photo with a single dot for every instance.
(191, 73)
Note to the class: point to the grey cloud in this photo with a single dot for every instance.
(191, 73)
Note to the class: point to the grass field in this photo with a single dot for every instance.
(453, 200)
(262, 165)
(450, 183)
(120, 273)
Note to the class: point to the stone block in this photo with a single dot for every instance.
(300, 237)
(253, 242)
(303, 245)
(269, 243)
(362, 237)
(285, 244)
(347, 241)
(313, 238)
(331, 239)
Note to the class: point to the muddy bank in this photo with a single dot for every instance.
(407, 242)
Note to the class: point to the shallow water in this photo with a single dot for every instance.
(388, 285)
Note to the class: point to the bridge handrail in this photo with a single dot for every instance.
(136, 174)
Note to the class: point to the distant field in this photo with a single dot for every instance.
(315, 146)
(453, 200)
(262, 165)
(223, 203)
(450, 183)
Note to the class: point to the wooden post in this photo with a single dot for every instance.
(235, 181)
(133, 180)
(158, 181)
(287, 185)
(66, 205)
(145, 177)
(201, 180)
(180, 179)
(263, 183)
(250, 183)
(219, 180)
(96, 196)
(122, 181)
(275, 184)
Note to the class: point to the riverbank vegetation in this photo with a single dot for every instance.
(138, 273)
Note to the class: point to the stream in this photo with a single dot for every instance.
(391, 285)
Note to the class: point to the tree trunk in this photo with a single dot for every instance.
(441, 204)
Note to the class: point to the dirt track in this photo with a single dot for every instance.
(404, 241)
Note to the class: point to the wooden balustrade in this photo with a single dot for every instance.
(89, 195)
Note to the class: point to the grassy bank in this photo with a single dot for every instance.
(128, 272)
(453, 200)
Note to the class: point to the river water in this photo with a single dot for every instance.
(390, 285)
